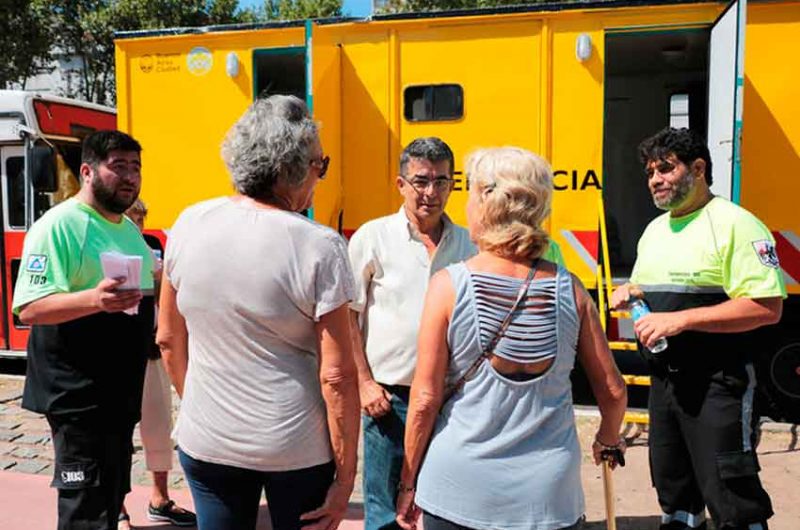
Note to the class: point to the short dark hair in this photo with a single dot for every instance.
(432, 149)
(686, 145)
(97, 145)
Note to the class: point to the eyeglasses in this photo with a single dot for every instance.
(421, 184)
(322, 164)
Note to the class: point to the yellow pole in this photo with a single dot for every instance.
(601, 298)
(604, 243)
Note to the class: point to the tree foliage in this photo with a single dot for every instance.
(85, 30)
(398, 6)
(33, 32)
(301, 9)
(25, 40)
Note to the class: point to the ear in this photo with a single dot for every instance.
(699, 169)
(85, 172)
(400, 182)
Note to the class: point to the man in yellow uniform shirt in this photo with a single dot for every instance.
(709, 271)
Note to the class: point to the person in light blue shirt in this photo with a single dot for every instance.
(490, 438)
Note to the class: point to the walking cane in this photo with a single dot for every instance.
(608, 492)
(608, 484)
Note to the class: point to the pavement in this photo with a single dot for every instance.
(25, 445)
(26, 468)
(27, 501)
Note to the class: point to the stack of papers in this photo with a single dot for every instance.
(118, 265)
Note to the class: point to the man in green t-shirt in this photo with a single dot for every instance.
(90, 334)
(709, 271)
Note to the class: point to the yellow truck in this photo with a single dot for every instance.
(579, 83)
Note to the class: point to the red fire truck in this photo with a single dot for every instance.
(40, 139)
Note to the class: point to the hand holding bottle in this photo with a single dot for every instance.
(639, 308)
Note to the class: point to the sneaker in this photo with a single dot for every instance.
(171, 513)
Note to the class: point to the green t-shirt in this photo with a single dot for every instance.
(721, 245)
(62, 252)
(553, 254)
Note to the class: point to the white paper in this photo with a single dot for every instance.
(118, 265)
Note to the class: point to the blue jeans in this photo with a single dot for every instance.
(227, 497)
(383, 460)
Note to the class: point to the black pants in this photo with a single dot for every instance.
(701, 450)
(92, 471)
(433, 522)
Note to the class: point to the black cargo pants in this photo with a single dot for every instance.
(92, 471)
(701, 449)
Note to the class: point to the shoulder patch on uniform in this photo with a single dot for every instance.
(37, 263)
(765, 250)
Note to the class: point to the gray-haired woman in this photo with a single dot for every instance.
(254, 332)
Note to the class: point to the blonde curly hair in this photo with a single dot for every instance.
(515, 188)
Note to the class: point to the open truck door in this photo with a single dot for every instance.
(778, 357)
(725, 90)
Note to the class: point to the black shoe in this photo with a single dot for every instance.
(172, 514)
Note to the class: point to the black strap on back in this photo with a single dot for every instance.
(487, 351)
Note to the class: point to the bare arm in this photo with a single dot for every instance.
(359, 355)
(338, 378)
(374, 399)
(607, 384)
(732, 316)
(63, 307)
(172, 336)
(157, 286)
(339, 390)
(427, 389)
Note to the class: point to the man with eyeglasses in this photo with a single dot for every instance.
(393, 258)
(709, 271)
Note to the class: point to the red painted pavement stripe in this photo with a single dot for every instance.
(28, 501)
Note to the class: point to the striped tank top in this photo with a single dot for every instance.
(504, 453)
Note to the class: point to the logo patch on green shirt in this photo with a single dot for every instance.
(37, 263)
(765, 251)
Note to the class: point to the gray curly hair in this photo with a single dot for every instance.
(272, 142)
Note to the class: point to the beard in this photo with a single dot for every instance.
(677, 195)
(107, 197)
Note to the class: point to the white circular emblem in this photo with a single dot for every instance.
(199, 61)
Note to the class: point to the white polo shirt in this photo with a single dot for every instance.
(392, 269)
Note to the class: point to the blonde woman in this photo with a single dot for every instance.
(491, 397)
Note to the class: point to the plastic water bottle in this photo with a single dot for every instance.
(638, 309)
